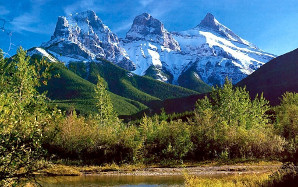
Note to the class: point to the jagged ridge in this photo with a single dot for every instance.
(84, 37)
(211, 49)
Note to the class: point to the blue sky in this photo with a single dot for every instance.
(272, 25)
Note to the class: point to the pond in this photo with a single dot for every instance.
(102, 180)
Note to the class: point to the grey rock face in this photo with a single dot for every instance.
(83, 36)
(145, 27)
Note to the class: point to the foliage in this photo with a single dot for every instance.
(23, 115)
(287, 124)
(100, 138)
(71, 91)
(164, 140)
(234, 107)
(104, 104)
(230, 125)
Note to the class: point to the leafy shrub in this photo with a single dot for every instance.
(229, 124)
(23, 114)
(165, 140)
(287, 124)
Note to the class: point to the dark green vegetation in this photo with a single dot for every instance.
(274, 78)
(131, 93)
(69, 91)
(226, 125)
(152, 72)
(121, 82)
(190, 79)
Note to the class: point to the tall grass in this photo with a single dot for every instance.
(252, 180)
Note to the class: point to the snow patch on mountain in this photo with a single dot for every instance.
(244, 58)
(43, 53)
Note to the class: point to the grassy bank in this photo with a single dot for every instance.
(228, 181)
(287, 175)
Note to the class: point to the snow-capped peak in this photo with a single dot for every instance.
(210, 23)
(83, 37)
(210, 49)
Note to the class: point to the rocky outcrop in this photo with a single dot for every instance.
(83, 36)
(145, 27)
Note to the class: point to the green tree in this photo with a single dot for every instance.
(106, 115)
(229, 124)
(287, 123)
(233, 106)
(23, 114)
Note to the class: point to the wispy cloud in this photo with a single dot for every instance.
(83, 5)
(3, 11)
(144, 3)
(30, 21)
(157, 8)
(161, 7)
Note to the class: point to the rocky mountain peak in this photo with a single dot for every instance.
(89, 17)
(146, 27)
(61, 27)
(83, 37)
(210, 24)
(210, 21)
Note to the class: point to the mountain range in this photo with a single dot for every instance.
(195, 58)
(152, 68)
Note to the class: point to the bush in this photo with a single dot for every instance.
(23, 115)
(165, 140)
(72, 137)
(230, 125)
(287, 124)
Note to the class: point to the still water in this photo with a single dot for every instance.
(98, 180)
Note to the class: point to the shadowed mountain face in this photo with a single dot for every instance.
(274, 78)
